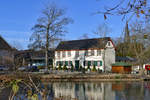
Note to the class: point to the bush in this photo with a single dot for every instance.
(64, 67)
(80, 68)
(117, 77)
(59, 67)
(40, 67)
(72, 67)
(88, 68)
(94, 68)
(83, 70)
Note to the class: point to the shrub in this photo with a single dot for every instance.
(117, 77)
(94, 68)
(80, 68)
(59, 67)
(83, 70)
(88, 67)
(64, 67)
(72, 67)
(40, 67)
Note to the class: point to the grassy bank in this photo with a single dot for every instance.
(77, 77)
(92, 77)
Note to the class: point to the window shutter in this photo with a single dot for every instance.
(100, 63)
(95, 63)
(84, 63)
(89, 63)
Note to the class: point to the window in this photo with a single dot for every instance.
(58, 54)
(69, 53)
(70, 63)
(86, 52)
(77, 54)
(98, 52)
(92, 63)
(63, 63)
(109, 43)
(95, 63)
(100, 63)
(66, 63)
(85, 63)
(89, 53)
(63, 54)
(89, 63)
(92, 52)
(57, 63)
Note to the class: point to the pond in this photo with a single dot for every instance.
(89, 91)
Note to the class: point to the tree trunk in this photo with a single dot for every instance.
(47, 46)
(46, 58)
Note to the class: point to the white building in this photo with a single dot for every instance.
(98, 52)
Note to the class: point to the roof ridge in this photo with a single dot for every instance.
(4, 41)
(86, 39)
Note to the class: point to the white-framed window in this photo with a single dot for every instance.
(100, 63)
(86, 52)
(77, 54)
(69, 53)
(109, 43)
(85, 63)
(58, 54)
(92, 53)
(98, 52)
(63, 54)
(89, 52)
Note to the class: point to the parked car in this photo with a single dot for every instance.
(32, 69)
(23, 68)
(3, 68)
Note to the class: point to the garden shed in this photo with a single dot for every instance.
(121, 67)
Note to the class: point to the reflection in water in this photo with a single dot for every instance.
(79, 91)
(91, 91)
(102, 91)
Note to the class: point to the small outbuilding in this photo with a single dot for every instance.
(121, 67)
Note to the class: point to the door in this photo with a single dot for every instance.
(77, 64)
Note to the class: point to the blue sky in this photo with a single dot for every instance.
(18, 16)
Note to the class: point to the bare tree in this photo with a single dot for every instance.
(37, 43)
(127, 7)
(16, 45)
(141, 35)
(102, 31)
(50, 27)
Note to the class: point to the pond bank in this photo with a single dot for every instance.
(76, 77)
(91, 77)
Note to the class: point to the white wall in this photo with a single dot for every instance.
(109, 57)
(81, 58)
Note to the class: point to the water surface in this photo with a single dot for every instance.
(91, 91)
